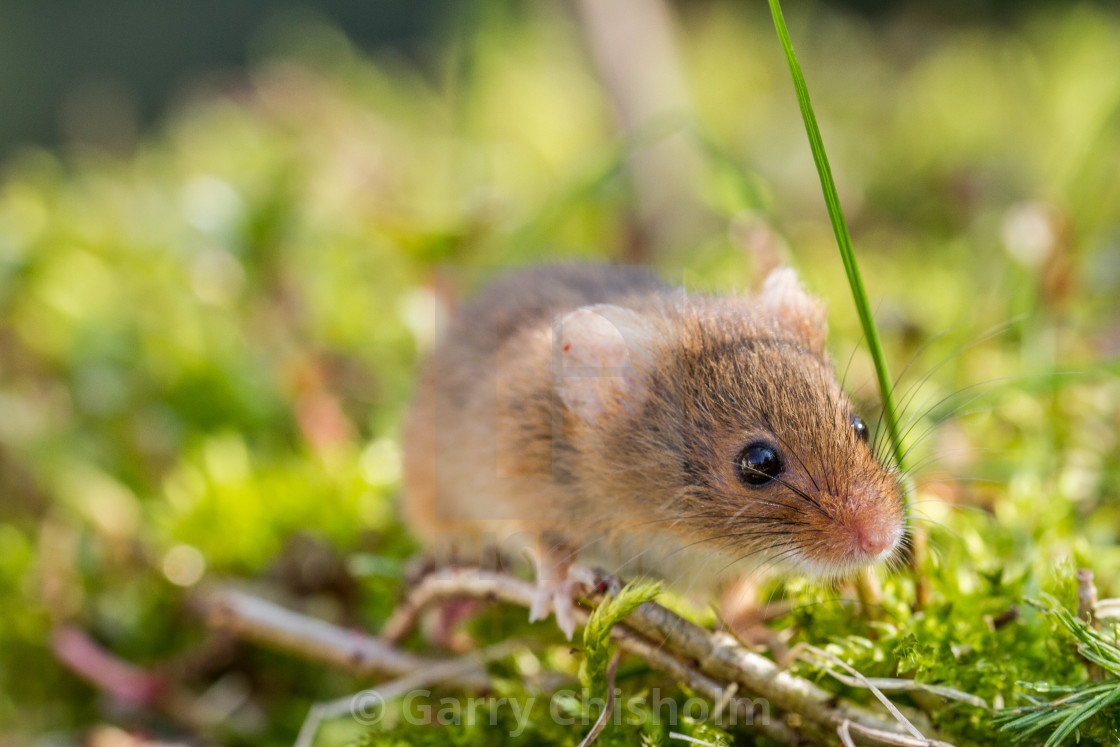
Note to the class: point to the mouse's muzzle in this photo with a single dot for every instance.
(865, 527)
(872, 537)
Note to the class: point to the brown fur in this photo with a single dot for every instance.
(492, 452)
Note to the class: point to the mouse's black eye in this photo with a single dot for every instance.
(758, 464)
(859, 427)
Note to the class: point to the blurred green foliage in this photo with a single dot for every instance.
(206, 344)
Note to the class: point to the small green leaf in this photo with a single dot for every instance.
(597, 634)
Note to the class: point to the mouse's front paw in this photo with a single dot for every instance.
(558, 596)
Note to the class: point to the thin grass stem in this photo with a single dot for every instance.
(840, 228)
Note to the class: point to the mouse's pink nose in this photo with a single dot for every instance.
(873, 537)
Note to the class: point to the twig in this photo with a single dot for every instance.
(1087, 613)
(874, 691)
(1108, 608)
(741, 710)
(722, 702)
(608, 708)
(706, 662)
(720, 656)
(1086, 596)
(690, 740)
(320, 712)
(719, 660)
(253, 618)
(895, 685)
(919, 550)
(83, 656)
(401, 621)
(845, 734)
(147, 688)
(478, 584)
(262, 621)
(894, 738)
(870, 594)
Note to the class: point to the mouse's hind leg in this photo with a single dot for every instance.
(745, 615)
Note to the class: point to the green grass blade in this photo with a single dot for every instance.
(840, 228)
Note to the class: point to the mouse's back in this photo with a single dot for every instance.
(480, 420)
(535, 294)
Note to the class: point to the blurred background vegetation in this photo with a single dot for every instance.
(220, 226)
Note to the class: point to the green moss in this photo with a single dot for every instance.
(207, 344)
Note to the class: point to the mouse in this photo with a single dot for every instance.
(597, 416)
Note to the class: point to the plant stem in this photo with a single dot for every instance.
(840, 228)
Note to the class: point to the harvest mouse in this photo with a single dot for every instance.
(593, 413)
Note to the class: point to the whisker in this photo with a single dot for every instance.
(912, 391)
(803, 465)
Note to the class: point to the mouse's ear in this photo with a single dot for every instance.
(783, 293)
(599, 351)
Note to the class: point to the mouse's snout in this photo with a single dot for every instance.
(871, 532)
(873, 537)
